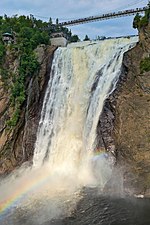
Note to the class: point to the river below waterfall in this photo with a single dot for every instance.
(92, 209)
(107, 210)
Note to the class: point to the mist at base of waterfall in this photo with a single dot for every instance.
(49, 193)
(69, 198)
(85, 206)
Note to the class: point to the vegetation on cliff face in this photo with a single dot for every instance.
(141, 22)
(2, 52)
(27, 38)
(28, 34)
(145, 65)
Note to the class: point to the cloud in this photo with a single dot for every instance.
(72, 9)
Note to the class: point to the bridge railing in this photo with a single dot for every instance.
(103, 17)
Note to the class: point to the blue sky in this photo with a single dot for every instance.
(73, 9)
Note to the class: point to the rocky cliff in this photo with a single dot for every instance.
(17, 143)
(125, 122)
(132, 118)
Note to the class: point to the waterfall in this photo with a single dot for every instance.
(82, 77)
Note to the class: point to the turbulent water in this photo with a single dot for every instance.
(82, 77)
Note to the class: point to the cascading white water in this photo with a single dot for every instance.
(82, 77)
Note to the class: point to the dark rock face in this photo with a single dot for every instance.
(17, 145)
(128, 128)
(105, 128)
(106, 125)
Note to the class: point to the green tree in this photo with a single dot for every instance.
(136, 21)
(57, 21)
(74, 38)
(144, 21)
(50, 21)
(140, 21)
(86, 38)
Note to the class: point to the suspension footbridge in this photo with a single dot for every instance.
(101, 17)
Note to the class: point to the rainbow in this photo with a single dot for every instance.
(25, 187)
(99, 151)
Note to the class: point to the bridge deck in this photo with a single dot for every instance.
(103, 17)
